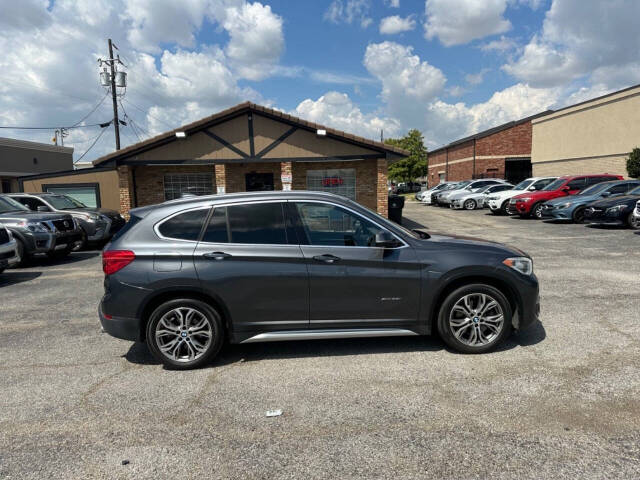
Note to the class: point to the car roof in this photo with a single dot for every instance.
(569, 177)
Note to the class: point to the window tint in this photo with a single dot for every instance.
(577, 184)
(184, 226)
(620, 188)
(216, 231)
(257, 223)
(30, 202)
(500, 188)
(326, 224)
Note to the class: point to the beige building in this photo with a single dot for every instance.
(595, 136)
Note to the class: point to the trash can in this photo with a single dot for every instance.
(396, 204)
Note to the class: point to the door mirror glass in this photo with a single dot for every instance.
(385, 240)
(532, 188)
(606, 194)
(43, 208)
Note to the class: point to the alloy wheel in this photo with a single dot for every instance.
(537, 211)
(183, 334)
(470, 204)
(476, 319)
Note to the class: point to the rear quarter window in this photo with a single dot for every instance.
(184, 226)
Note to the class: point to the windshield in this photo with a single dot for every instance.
(595, 188)
(60, 202)
(635, 191)
(440, 186)
(8, 204)
(460, 185)
(523, 185)
(555, 185)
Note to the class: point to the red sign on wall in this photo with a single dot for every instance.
(332, 181)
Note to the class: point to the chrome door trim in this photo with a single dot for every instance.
(328, 334)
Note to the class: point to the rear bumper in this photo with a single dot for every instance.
(120, 327)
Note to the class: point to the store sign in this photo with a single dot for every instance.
(332, 181)
(286, 178)
(220, 190)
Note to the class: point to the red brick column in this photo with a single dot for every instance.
(381, 188)
(221, 178)
(286, 175)
(125, 186)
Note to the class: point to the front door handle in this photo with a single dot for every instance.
(326, 258)
(217, 255)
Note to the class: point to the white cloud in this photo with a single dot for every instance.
(501, 45)
(336, 109)
(392, 3)
(582, 38)
(476, 78)
(456, 91)
(396, 24)
(349, 11)
(455, 22)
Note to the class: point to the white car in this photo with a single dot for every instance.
(424, 196)
(636, 214)
(8, 249)
(499, 202)
(473, 200)
(464, 188)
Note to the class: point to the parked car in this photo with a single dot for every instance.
(425, 195)
(472, 187)
(498, 202)
(8, 252)
(97, 224)
(474, 200)
(614, 211)
(572, 209)
(531, 204)
(54, 234)
(436, 196)
(255, 267)
(636, 214)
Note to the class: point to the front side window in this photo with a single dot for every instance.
(194, 183)
(341, 181)
(330, 225)
(620, 188)
(184, 226)
(554, 185)
(253, 223)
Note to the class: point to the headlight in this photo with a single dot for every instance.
(523, 199)
(37, 227)
(564, 205)
(617, 209)
(522, 264)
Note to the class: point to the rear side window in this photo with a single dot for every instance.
(620, 188)
(254, 223)
(127, 226)
(184, 226)
(577, 184)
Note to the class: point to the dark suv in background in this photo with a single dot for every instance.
(97, 224)
(257, 267)
(54, 234)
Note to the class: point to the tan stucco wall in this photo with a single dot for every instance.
(595, 136)
(108, 181)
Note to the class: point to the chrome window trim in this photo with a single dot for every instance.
(158, 224)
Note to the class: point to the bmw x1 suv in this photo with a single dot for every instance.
(188, 274)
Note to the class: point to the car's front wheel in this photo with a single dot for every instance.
(470, 204)
(633, 221)
(474, 319)
(185, 333)
(578, 215)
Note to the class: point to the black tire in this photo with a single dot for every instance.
(445, 329)
(83, 242)
(536, 211)
(578, 215)
(470, 204)
(57, 254)
(632, 222)
(214, 322)
(504, 207)
(23, 256)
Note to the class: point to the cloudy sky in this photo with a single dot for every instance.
(446, 67)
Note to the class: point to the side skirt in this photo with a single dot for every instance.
(325, 334)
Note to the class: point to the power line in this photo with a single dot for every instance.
(126, 115)
(105, 124)
(147, 113)
(91, 146)
(92, 110)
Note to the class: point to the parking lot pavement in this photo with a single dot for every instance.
(561, 400)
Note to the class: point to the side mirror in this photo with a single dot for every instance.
(606, 194)
(532, 188)
(385, 240)
(43, 208)
(566, 189)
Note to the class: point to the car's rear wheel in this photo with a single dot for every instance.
(578, 215)
(475, 318)
(633, 221)
(184, 333)
(470, 204)
(536, 211)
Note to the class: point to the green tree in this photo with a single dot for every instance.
(633, 163)
(415, 165)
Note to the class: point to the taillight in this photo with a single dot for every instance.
(115, 260)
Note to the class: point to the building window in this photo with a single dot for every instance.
(194, 183)
(341, 181)
(86, 193)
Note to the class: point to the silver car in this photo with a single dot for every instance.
(478, 199)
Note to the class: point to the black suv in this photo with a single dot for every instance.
(54, 234)
(97, 224)
(258, 267)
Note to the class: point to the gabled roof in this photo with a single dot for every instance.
(491, 131)
(238, 110)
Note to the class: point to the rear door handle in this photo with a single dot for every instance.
(327, 258)
(217, 255)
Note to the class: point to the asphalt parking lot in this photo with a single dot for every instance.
(561, 400)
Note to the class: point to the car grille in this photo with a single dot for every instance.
(4, 236)
(64, 225)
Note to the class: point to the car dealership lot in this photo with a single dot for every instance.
(561, 400)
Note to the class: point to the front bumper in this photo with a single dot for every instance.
(601, 217)
(519, 208)
(8, 255)
(552, 213)
(529, 304)
(120, 327)
(41, 242)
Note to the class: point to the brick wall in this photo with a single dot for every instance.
(382, 189)
(125, 187)
(150, 181)
(235, 175)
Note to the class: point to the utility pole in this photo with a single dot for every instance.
(116, 124)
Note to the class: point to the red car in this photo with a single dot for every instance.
(530, 203)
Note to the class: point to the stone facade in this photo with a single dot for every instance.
(149, 180)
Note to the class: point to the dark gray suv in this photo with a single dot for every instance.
(255, 267)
